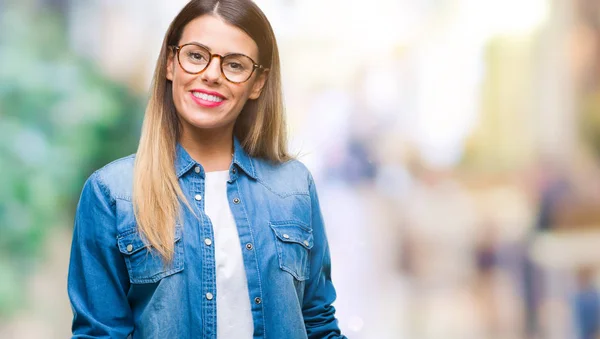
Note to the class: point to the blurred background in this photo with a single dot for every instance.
(455, 145)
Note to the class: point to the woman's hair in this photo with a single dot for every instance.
(260, 127)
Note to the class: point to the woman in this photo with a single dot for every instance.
(210, 230)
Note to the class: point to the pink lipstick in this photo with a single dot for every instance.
(207, 98)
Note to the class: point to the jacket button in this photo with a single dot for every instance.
(198, 197)
(209, 296)
(234, 170)
(257, 300)
(236, 200)
(306, 242)
(249, 246)
(208, 242)
(129, 248)
(286, 236)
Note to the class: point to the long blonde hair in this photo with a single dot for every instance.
(260, 127)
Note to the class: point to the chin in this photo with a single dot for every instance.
(207, 124)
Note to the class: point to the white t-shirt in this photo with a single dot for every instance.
(234, 316)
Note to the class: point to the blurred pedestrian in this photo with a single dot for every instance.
(586, 305)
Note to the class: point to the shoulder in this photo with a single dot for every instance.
(115, 178)
(287, 178)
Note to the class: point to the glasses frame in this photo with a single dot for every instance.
(255, 66)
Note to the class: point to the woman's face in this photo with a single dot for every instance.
(225, 100)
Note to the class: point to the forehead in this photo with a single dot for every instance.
(219, 36)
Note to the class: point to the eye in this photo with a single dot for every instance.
(196, 56)
(235, 65)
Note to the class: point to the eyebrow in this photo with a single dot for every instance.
(199, 44)
(210, 50)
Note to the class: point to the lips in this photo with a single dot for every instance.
(207, 98)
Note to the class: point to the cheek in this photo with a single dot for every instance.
(181, 79)
(242, 92)
(242, 99)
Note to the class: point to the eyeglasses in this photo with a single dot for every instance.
(195, 58)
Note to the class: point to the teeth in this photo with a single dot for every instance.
(207, 97)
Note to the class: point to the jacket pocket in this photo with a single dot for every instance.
(293, 242)
(143, 263)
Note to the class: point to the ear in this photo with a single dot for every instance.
(258, 85)
(170, 65)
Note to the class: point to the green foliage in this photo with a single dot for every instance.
(60, 119)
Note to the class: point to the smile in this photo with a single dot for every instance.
(207, 97)
(207, 100)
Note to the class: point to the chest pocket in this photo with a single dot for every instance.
(143, 263)
(293, 242)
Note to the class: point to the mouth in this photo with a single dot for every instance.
(207, 99)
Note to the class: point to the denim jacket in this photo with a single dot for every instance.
(120, 288)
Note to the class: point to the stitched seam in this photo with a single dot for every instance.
(294, 274)
(302, 225)
(247, 172)
(178, 264)
(255, 255)
(101, 183)
(157, 276)
(131, 231)
(252, 167)
(285, 195)
(118, 160)
(310, 189)
(126, 233)
(104, 188)
(186, 168)
(154, 278)
(279, 246)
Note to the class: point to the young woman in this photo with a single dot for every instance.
(211, 230)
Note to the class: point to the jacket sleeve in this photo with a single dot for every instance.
(98, 280)
(319, 294)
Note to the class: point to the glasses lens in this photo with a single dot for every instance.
(193, 58)
(237, 67)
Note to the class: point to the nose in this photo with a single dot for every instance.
(212, 72)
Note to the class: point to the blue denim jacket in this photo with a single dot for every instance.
(119, 288)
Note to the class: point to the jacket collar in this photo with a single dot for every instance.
(184, 162)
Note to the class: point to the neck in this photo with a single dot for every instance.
(212, 149)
